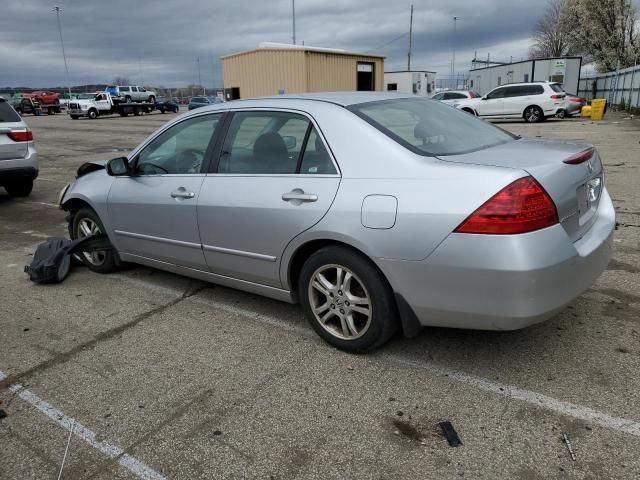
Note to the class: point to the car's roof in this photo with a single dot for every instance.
(339, 98)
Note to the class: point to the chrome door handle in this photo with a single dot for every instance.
(300, 196)
(182, 193)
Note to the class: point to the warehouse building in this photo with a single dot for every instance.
(565, 70)
(419, 82)
(278, 69)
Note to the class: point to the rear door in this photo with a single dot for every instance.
(515, 100)
(10, 121)
(274, 179)
(153, 212)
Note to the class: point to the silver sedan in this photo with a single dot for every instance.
(376, 212)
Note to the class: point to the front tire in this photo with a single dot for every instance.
(86, 222)
(533, 114)
(93, 114)
(19, 188)
(127, 99)
(347, 300)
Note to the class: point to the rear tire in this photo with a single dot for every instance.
(354, 310)
(86, 222)
(152, 99)
(19, 188)
(533, 114)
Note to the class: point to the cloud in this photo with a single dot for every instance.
(157, 43)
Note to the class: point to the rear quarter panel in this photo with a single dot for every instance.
(433, 196)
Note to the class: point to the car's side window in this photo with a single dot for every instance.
(263, 143)
(316, 159)
(180, 149)
(497, 93)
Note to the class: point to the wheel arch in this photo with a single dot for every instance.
(409, 323)
(469, 110)
(78, 201)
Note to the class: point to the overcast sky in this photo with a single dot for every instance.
(157, 42)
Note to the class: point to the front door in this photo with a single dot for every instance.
(153, 212)
(274, 180)
(493, 104)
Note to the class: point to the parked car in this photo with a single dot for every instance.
(534, 102)
(18, 157)
(574, 104)
(375, 211)
(452, 97)
(131, 93)
(197, 102)
(166, 104)
(43, 96)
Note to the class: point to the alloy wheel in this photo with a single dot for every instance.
(86, 227)
(340, 302)
(532, 114)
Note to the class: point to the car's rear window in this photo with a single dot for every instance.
(429, 127)
(556, 87)
(7, 114)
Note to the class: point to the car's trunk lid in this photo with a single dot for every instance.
(574, 188)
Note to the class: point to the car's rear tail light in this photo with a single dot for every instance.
(580, 157)
(576, 100)
(21, 135)
(520, 207)
(557, 97)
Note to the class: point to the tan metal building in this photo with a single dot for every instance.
(278, 69)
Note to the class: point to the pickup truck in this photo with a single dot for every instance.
(104, 104)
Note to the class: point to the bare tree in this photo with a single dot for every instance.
(550, 38)
(121, 81)
(604, 30)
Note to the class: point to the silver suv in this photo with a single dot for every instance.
(18, 157)
(131, 93)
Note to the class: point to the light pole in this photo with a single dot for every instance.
(199, 76)
(453, 59)
(293, 12)
(64, 55)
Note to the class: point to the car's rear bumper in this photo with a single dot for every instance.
(19, 168)
(503, 282)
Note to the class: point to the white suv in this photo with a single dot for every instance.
(18, 157)
(532, 101)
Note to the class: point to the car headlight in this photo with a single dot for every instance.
(62, 193)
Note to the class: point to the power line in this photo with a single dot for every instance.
(388, 43)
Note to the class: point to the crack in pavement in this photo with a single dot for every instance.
(106, 335)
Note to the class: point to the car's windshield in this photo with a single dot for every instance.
(7, 114)
(429, 127)
(214, 99)
(85, 96)
(161, 99)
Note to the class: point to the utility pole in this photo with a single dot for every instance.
(410, 39)
(64, 55)
(199, 76)
(293, 12)
(453, 59)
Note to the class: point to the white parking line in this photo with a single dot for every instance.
(132, 464)
(580, 412)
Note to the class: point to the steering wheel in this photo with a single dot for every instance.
(189, 160)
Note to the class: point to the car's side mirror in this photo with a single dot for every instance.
(117, 167)
(289, 141)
